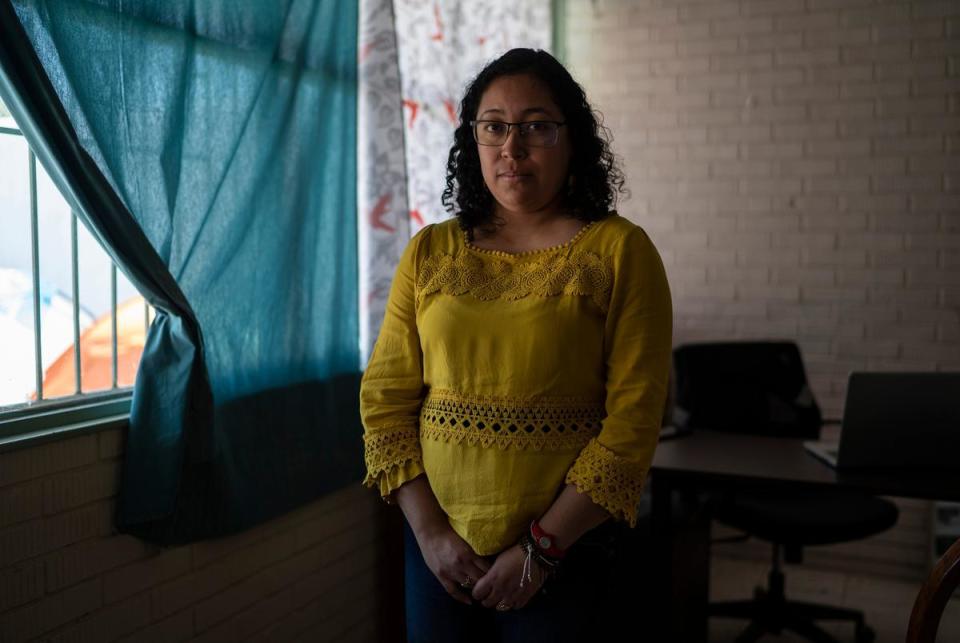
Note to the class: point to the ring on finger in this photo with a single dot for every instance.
(502, 607)
(467, 584)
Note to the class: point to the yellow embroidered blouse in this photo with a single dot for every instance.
(505, 376)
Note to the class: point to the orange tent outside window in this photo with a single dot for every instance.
(96, 354)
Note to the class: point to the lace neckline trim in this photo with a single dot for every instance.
(527, 253)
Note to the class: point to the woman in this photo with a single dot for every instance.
(512, 403)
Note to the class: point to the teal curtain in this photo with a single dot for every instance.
(211, 146)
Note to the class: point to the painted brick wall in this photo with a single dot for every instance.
(796, 163)
(66, 577)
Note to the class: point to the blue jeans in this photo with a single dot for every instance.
(573, 607)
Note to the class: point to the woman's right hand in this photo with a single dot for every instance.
(448, 556)
(452, 561)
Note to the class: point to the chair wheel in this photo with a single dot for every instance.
(864, 634)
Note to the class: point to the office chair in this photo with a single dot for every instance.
(933, 596)
(761, 388)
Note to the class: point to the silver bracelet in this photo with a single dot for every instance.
(548, 566)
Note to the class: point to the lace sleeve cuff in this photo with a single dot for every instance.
(391, 480)
(611, 481)
(393, 457)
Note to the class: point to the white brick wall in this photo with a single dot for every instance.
(796, 163)
(66, 577)
(796, 151)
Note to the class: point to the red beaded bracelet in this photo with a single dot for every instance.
(545, 542)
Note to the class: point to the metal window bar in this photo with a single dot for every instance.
(75, 274)
(113, 323)
(35, 258)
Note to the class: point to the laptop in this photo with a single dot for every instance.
(897, 421)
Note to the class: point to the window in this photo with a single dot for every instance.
(72, 327)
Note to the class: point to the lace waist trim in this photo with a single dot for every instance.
(535, 423)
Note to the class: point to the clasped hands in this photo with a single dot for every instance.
(460, 571)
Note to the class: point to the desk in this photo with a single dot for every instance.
(710, 461)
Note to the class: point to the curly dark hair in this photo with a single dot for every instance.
(597, 179)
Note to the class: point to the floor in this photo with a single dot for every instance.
(886, 602)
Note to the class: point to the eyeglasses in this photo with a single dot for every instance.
(532, 133)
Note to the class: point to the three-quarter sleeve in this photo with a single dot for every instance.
(613, 466)
(391, 391)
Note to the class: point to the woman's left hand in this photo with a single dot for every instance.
(500, 586)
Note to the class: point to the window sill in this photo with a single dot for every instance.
(49, 422)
